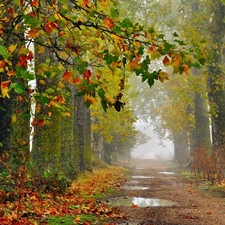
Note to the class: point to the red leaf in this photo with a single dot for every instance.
(21, 2)
(166, 60)
(30, 56)
(67, 76)
(87, 74)
(50, 26)
(22, 61)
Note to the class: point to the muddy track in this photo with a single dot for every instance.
(189, 206)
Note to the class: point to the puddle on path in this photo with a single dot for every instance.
(140, 202)
(133, 181)
(166, 172)
(133, 188)
(137, 177)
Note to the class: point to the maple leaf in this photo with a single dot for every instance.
(2, 66)
(186, 69)
(5, 88)
(85, 2)
(87, 74)
(109, 22)
(166, 60)
(77, 80)
(163, 76)
(11, 48)
(134, 65)
(67, 76)
(89, 99)
(50, 26)
(11, 73)
(35, 3)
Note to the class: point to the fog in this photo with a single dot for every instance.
(152, 149)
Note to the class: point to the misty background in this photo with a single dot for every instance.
(153, 148)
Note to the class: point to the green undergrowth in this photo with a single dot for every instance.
(70, 220)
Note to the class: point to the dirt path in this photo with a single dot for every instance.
(190, 207)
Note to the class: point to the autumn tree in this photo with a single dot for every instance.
(75, 39)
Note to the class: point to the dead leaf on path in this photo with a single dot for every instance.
(134, 206)
(208, 213)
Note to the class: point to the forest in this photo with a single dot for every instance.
(76, 75)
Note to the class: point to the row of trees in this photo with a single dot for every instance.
(64, 68)
(189, 110)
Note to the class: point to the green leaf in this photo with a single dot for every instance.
(32, 21)
(26, 116)
(114, 13)
(21, 73)
(4, 52)
(101, 93)
(196, 65)
(19, 88)
(180, 42)
(42, 99)
(175, 34)
(82, 67)
(1, 108)
(167, 47)
(104, 105)
(202, 61)
(126, 23)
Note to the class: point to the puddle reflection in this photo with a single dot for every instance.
(140, 202)
(167, 172)
(126, 187)
(137, 177)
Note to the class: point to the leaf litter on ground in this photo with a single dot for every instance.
(79, 204)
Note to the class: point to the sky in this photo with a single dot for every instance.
(152, 149)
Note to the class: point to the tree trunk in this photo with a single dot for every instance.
(181, 147)
(82, 134)
(216, 92)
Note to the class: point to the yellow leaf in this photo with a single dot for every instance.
(42, 82)
(149, 37)
(116, 38)
(155, 55)
(163, 76)
(13, 118)
(11, 48)
(23, 51)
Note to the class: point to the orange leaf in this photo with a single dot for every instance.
(77, 80)
(209, 213)
(134, 65)
(166, 60)
(109, 22)
(11, 73)
(35, 3)
(85, 2)
(134, 206)
(67, 76)
(2, 66)
(186, 69)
